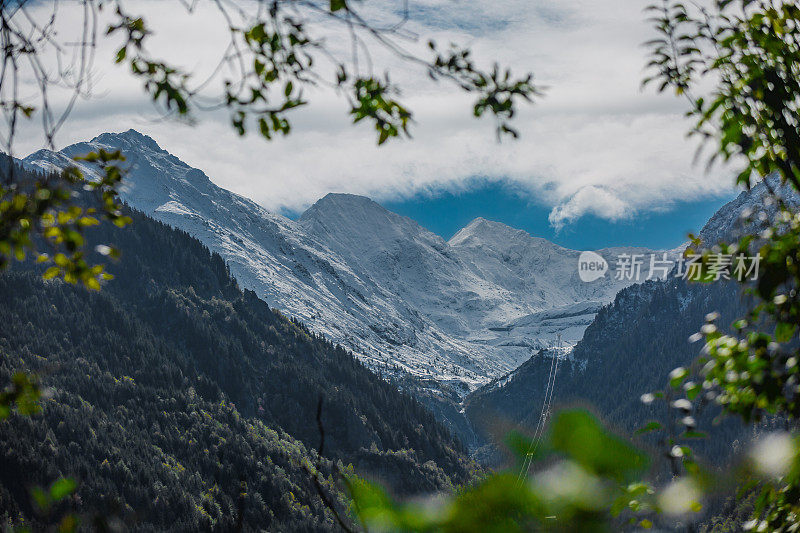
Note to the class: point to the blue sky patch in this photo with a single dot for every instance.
(444, 213)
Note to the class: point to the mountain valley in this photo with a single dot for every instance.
(455, 313)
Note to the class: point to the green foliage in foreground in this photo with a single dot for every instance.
(587, 480)
(22, 395)
(275, 54)
(39, 215)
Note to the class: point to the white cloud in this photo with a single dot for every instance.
(589, 200)
(596, 144)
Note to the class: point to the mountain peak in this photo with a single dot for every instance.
(728, 222)
(348, 199)
(128, 139)
(481, 231)
(358, 226)
(336, 205)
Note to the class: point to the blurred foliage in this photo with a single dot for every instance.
(39, 215)
(588, 482)
(750, 51)
(22, 395)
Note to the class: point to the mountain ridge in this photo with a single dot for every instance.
(632, 343)
(479, 228)
(402, 298)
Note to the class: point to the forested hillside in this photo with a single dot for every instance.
(171, 387)
(627, 351)
(633, 343)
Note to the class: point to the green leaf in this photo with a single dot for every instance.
(51, 272)
(62, 488)
(650, 426)
(784, 331)
(521, 446)
(694, 435)
(579, 435)
(68, 524)
(40, 498)
(336, 5)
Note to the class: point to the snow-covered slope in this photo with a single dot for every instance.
(543, 277)
(461, 312)
(632, 344)
(729, 221)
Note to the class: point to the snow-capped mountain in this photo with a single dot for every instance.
(549, 296)
(461, 312)
(634, 342)
(729, 222)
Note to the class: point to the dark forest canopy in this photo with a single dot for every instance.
(172, 385)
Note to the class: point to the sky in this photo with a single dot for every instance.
(599, 160)
(447, 212)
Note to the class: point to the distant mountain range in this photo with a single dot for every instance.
(460, 312)
(632, 344)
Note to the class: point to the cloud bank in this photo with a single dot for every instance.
(595, 144)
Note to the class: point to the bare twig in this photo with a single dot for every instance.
(315, 475)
